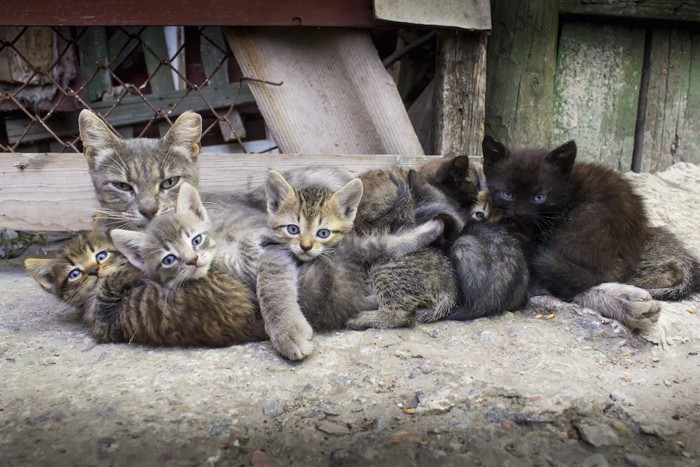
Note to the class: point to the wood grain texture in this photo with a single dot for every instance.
(53, 192)
(597, 91)
(682, 10)
(463, 14)
(522, 53)
(672, 123)
(336, 95)
(460, 93)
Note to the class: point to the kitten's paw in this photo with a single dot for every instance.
(639, 307)
(293, 340)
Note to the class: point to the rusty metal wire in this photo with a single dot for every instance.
(31, 124)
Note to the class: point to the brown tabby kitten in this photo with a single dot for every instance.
(316, 225)
(137, 179)
(183, 300)
(586, 233)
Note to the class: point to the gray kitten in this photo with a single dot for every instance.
(137, 179)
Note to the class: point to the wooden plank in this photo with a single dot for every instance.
(93, 51)
(597, 91)
(347, 13)
(681, 10)
(133, 109)
(462, 14)
(672, 123)
(53, 192)
(460, 93)
(521, 65)
(337, 96)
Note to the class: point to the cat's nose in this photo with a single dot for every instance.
(148, 213)
(305, 247)
(92, 271)
(193, 261)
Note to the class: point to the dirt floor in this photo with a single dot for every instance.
(550, 385)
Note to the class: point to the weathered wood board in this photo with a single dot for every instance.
(682, 10)
(522, 53)
(53, 192)
(672, 123)
(463, 14)
(597, 91)
(336, 95)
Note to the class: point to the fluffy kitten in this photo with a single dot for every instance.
(583, 228)
(137, 179)
(315, 224)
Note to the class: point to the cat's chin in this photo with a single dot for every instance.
(305, 256)
(199, 272)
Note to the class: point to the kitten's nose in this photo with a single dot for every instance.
(92, 271)
(193, 261)
(148, 213)
(306, 247)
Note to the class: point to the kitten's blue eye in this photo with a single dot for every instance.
(507, 195)
(101, 256)
(123, 186)
(169, 182)
(539, 198)
(323, 233)
(293, 229)
(168, 260)
(74, 274)
(197, 240)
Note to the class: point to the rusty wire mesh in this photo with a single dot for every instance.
(132, 76)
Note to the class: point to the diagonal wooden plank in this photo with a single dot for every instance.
(336, 97)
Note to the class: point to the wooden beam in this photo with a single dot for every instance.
(348, 13)
(460, 93)
(53, 192)
(680, 10)
(522, 60)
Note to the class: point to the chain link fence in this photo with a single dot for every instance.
(139, 79)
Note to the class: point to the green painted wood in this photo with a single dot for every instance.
(672, 123)
(155, 51)
(597, 91)
(121, 44)
(682, 10)
(93, 51)
(212, 45)
(521, 64)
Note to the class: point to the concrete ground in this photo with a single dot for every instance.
(551, 385)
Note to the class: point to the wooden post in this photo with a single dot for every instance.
(460, 93)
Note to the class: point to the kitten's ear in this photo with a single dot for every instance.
(563, 156)
(277, 190)
(493, 152)
(185, 134)
(129, 244)
(348, 198)
(189, 200)
(99, 141)
(40, 270)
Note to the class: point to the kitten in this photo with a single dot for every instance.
(315, 225)
(490, 266)
(584, 230)
(137, 179)
(184, 299)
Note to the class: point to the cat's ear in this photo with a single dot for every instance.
(348, 198)
(277, 190)
(99, 141)
(129, 243)
(40, 270)
(494, 152)
(563, 156)
(188, 199)
(185, 134)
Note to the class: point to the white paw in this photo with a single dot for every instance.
(641, 310)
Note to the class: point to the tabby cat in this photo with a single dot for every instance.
(137, 179)
(585, 232)
(341, 276)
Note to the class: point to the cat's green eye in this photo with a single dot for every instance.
(323, 233)
(539, 198)
(101, 256)
(74, 274)
(507, 195)
(123, 186)
(169, 183)
(196, 241)
(168, 260)
(293, 229)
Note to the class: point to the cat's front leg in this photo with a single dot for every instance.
(630, 305)
(290, 333)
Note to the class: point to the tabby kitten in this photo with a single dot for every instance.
(184, 299)
(315, 225)
(585, 231)
(137, 179)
